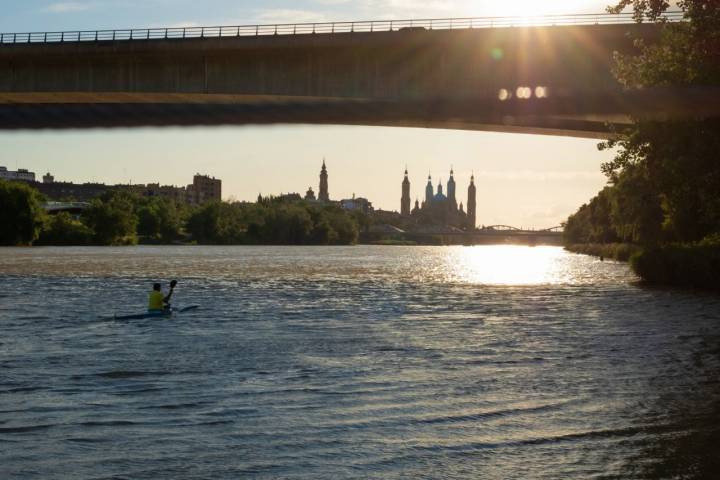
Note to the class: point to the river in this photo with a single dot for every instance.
(493, 362)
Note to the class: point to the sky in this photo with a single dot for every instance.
(522, 180)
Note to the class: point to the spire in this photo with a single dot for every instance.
(405, 199)
(323, 195)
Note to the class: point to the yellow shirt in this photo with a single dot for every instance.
(155, 301)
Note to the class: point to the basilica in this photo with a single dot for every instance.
(440, 208)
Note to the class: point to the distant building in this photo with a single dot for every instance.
(288, 198)
(204, 189)
(310, 195)
(358, 203)
(440, 208)
(178, 194)
(20, 174)
(472, 221)
(323, 194)
(405, 199)
(82, 192)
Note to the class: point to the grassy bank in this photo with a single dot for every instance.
(614, 251)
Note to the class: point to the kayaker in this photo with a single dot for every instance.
(157, 303)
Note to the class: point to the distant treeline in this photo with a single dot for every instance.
(124, 218)
(663, 195)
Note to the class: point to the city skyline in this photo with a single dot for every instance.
(536, 191)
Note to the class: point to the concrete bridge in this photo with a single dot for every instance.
(475, 74)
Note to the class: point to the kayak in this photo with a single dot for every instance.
(164, 314)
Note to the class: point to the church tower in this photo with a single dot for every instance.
(323, 195)
(471, 204)
(429, 192)
(405, 200)
(452, 203)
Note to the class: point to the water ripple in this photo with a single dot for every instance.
(363, 362)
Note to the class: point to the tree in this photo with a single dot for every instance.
(63, 229)
(592, 222)
(678, 158)
(159, 219)
(112, 219)
(635, 208)
(21, 215)
(218, 223)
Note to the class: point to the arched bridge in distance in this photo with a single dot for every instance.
(548, 75)
(491, 234)
(510, 229)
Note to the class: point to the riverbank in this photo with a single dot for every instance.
(621, 252)
(694, 265)
(683, 265)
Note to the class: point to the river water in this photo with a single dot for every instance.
(491, 362)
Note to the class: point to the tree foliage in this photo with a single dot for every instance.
(112, 219)
(63, 229)
(159, 219)
(123, 218)
(21, 215)
(665, 177)
(272, 223)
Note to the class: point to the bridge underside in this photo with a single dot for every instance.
(452, 79)
(584, 116)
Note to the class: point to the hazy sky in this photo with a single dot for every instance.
(523, 180)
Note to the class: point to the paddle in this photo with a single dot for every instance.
(166, 300)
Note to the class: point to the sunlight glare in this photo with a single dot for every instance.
(509, 265)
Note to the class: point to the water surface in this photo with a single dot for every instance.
(356, 362)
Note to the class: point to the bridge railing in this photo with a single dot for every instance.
(509, 228)
(328, 27)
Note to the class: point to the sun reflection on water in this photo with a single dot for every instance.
(509, 265)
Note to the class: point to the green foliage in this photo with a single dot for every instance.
(592, 223)
(112, 219)
(159, 219)
(218, 223)
(117, 218)
(63, 229)
(21, 216)
(621, 252)
(635, 208)
(272, 223)
(665, 177)
(690, 265)
(670, 167)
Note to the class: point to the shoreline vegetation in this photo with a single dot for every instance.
(694, 265)
(124, 218)
(621, 252)
(661, 207)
